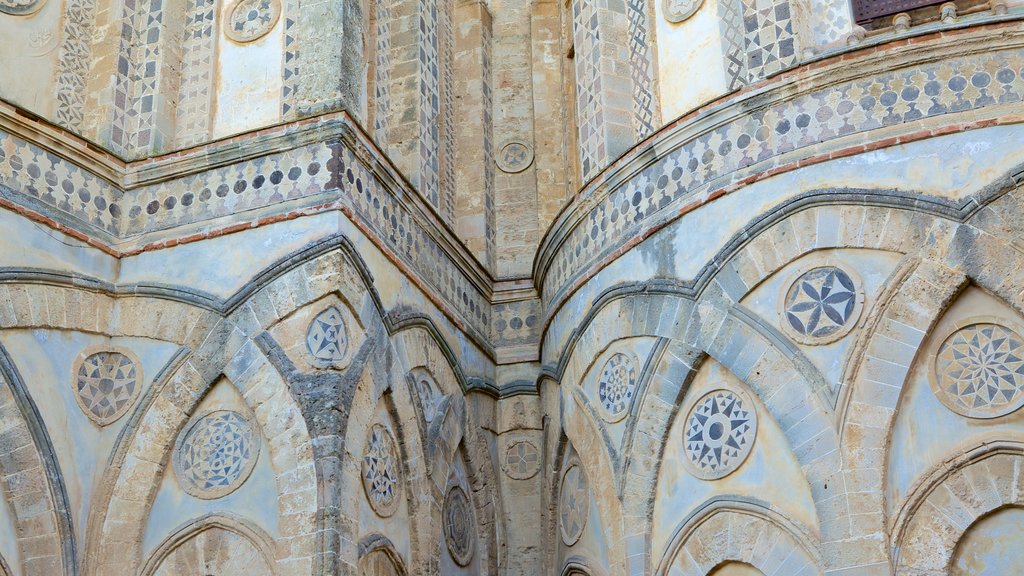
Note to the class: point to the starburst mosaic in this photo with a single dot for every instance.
(979, 371)
(720, 432)
(216, 454)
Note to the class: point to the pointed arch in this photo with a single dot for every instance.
(950, 500)
(248, 533)
(32, 481)
(731, 529)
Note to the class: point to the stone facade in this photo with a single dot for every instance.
(493, 287)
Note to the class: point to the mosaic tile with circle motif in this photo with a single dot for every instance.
(979, 371)
(216, 453)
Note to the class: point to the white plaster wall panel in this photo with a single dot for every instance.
(45, 359)
(690, 70)
(869, 269)
(991, 547)
(248, 81)
(770, 473)
(28, 245)
(174, 507)
(927, 433)
(29, 52)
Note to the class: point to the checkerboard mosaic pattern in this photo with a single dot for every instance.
(138, 77)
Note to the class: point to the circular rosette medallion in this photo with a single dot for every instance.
(380, 471)
(514, 157)
(216, 453)
(617, 386)
(250, 20)
(720, 431)
(574, 504)
(522, 460)
(821, 306)
(979, 371)
(21, 7)
(107, 384)
(458, 526)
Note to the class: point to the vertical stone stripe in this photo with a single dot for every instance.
(730, 23)
(446, 57)
(430, 104)
(138, 77)
(382, 80)
(195, 94)
(587, 43)
(489, 174)
(644, 106)
(75, 58)
(290, 63)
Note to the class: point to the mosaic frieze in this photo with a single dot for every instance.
(216, 453)
(979, 371)
(573, 504)
(459, 527)
(522, 460)
(720, 432)
(805, 122)
(821, 306)
(616, 386)
(381, 471)
(107, 383)
(250, 20)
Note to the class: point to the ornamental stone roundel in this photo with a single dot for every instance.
(514, 157)
(250, 20)
(381, 471)
(327, 337)
(522, 460)
(106, 384)
(216, 453)
(679, 10)
(21, 7)
(719, 434)
(979, 371)
(616, 386)
(821, 306)
(573, 504)
(458, 526)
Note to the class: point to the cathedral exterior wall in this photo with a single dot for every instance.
(468, 288)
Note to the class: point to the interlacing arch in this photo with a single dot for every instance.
(711, 324)
(948, 502)
(739, 530)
